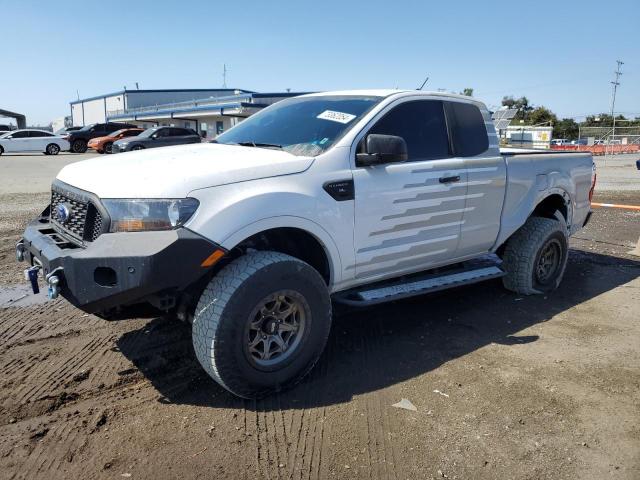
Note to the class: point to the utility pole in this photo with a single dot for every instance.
(615, 84)
(224, 75)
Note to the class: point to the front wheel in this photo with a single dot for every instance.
(137, 147)
(79, 146)
(262, 323)
(52, 149)
(108, 147)
(1, 150)
(535, 257)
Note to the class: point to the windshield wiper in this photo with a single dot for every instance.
(259, 145)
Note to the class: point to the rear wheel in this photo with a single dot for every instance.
(79, 146)
(1, 150)
(52, 149)
(262, 323)
(535, 257)
(108, 147)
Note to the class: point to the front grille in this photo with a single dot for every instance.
(84, 221)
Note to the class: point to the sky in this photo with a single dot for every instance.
(560, 54)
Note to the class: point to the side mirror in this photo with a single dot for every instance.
(382, 149)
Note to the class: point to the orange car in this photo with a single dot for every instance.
(104, 144)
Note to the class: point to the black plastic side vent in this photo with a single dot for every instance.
(341, 190)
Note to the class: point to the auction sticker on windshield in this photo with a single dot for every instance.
(340, 117)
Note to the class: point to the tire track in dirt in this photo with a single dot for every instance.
(382, 462)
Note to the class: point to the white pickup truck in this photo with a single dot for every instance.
(357, 197)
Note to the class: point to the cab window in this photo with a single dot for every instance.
(467, 127)
(423, 126)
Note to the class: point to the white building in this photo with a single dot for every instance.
(208, 111)
(528, 136)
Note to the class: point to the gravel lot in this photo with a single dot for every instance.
(504, 386)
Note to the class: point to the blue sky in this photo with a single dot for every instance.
(559, 54)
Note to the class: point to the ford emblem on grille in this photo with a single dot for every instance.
(64, 212)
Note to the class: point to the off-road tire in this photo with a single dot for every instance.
(224, 310)
(523, 254)
(79, 146)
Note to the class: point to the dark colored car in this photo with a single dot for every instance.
(79, 139)
(156, 137)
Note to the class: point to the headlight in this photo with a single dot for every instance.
(132, 215)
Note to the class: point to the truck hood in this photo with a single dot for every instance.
(173, 172)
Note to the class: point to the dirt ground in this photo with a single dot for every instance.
(504, 386)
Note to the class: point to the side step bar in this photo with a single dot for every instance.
(428, 282)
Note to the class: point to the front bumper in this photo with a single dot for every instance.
(119, 269)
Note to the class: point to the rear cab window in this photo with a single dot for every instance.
(467, 129)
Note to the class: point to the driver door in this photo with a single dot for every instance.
(408, 215)
(19, 142)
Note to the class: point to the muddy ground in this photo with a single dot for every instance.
(504, 386)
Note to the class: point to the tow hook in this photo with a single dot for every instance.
(31, 274)
(53, 281)
(20, 251)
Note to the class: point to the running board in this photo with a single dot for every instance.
(428, 282)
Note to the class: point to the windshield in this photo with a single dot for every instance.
(305, 126)
(148, 132)
(4, 134)
(116, 133)
(87, 127)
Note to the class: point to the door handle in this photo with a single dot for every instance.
(455, 178)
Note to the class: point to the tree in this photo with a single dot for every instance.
(521, 104)
(566, 128)
(541, 115)
(467, 91)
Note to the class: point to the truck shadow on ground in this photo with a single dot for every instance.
(373, 348)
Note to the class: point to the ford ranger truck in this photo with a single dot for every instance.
(356, 197)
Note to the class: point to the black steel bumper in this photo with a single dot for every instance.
(118, 269)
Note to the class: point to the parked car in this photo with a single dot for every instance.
(560, 141)
(157, 137)
(79, 139)
(31, 140)
(356, 197)
(104, 144)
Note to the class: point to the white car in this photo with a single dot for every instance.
(32, 141)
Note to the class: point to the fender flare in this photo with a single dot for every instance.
(565, 196)
(287, 221)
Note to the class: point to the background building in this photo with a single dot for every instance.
(208, 111)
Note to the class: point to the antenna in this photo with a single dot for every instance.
(224, 75)
(424, 83)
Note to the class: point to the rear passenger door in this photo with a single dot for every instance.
(474, 140)
(181, 136)
(408, 215)
(38, 141)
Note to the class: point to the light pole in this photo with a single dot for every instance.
(615, 84)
